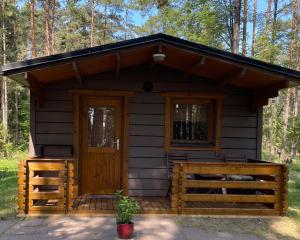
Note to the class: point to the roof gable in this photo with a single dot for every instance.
(189, 57)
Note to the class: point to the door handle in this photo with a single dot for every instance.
(117, 143)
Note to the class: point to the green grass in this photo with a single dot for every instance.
(294, 191)
(9, 185)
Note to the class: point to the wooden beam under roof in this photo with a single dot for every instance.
(261, 96)
(232, 77)
(78, 76)
(118, 64)
(34, 84)
(36, 87)
(192, 68)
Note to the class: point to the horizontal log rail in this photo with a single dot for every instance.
(45, 185)
(255, 188)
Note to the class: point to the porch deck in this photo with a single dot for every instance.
(94, 204)
(156, 205)
(48, 186)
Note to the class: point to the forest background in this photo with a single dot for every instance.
(267, 30)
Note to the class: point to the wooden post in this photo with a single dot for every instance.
(180, 188)
(71, 192)
(175, 188)
(65, 187)
(284, 190)
(22, 187)
(278, 192)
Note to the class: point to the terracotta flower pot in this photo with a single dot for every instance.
(125, 231)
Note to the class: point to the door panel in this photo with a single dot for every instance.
(101, 138)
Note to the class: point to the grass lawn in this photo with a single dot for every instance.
(287, 228)
(8, 185)
(294, 192)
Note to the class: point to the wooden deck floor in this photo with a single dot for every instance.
(151, 205)
(88, 204)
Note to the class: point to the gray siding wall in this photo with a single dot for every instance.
(241, 131)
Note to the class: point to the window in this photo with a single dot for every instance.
(101, 126)
(192, 121)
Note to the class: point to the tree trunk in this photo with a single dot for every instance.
(294, 63)
(236, 26)
(253, 29)
(126, 23)
(283, 153)
(271, 137)
(274, 25)
(294, 45)
(4, 106)
(268, 16)
(32, 26)
(52, 39)
(245, 18)
(92, 23)
(47, 28)
(105, 22)
(16, 115)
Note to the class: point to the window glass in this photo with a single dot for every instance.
(190, 123)
(101, 126)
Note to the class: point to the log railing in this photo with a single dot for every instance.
(45, 186)
(229, 188)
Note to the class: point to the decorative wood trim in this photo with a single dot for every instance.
(118, 64)
(77, 73)
(167, 123)
(103, 93)
(218, 125)
(76, 141)
(261, 96)
(125, 146)
(232, 77)
(32, 135)
(37, 87)
(192, 68)
(259, 130)
(193, 95)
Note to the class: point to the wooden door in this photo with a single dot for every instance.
(100, 139)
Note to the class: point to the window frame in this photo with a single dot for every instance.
(214, 100)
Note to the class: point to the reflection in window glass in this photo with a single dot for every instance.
(190, 123)
(101, 126)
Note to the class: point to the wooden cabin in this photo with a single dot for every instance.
(175, 124)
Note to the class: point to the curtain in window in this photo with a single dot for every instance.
(190, 122)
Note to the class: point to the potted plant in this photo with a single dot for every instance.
(126, 209)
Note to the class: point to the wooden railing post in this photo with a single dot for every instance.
(174, 190)
(65, 187)
(70, 185)
(180, 188)
(284, 190)
(22, 190)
